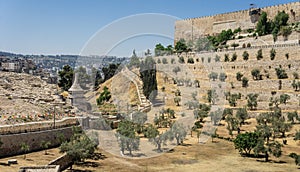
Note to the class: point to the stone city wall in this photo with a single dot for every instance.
(209, 25)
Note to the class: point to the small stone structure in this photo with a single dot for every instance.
(77, 96)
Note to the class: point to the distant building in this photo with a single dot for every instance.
(11, 66)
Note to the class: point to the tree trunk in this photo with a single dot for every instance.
(267, 156)
(177, 140)
(159, 147)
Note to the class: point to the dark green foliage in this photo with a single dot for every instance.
(232, 124)
(297, 135)
(245, 55)
(213, 76)
(155, 137)
(287, 56)
(246, 142)
(80, 147)
(234, 57)
(227, 111)
(221, 38)
(96, 76)
(201, 112)
(263, 26)
(272, 54)
(296, 157)
(25, 148)
(292, 116)
(264, 145)
(252, 101)
(234, 45)
(256, 74)
(139, 119)
(242, 115)
(159, 50)
(198, 124)
(232, 98)
(237, 30)
(212, 96)
(127, 137)
(280, 126)
(45, 145)
(285, 31)
(112, 69)
(181, 60)
(239, 76)
(281, 19)
(226, 58)
(222, 77)
(284, 98)
(66, 78)
(148, 76)
(181, 46)
(245, 82)
(216, 116)
(179, 132)
(296, 85)
(281, 74)
(259, 54)
(104, 96)
(273, 27)
(190, 60)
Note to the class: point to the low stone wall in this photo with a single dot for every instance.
(37, 126)
(12, 142)
(47, 168)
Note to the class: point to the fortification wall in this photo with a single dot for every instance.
(200, 71)
(210, 25)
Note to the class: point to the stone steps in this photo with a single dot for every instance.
(144, 103)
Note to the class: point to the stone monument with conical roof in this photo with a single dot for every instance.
(77, 96)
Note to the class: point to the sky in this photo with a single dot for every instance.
(101, 27)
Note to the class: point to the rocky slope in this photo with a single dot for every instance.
(25, 97)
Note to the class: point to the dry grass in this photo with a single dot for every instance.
(217, 156)
(32, 159)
